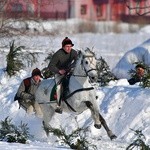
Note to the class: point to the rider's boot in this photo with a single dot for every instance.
(62, 97)
(58, 108)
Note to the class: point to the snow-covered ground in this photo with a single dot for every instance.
(123, 106)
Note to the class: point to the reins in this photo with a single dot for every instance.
(75, 75)
(71, 94)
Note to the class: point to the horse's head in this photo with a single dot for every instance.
(88, 62)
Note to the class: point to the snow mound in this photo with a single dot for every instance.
(145, 29)
(140, 53)
(125, 108)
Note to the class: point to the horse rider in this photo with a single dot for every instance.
(26, 93)
(61, 63)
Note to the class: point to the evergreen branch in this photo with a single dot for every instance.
(138, 142)
(77, 135)
(12, 133)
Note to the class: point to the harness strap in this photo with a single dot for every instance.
(68, 96)
(69, 106)
(78, 90)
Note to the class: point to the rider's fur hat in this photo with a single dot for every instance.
(140, 66)
(67, 41)
(36, 71)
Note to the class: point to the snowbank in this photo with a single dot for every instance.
(140, 53)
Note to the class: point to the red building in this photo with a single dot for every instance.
(95, 10)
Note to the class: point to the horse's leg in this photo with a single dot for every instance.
(48, 113)
(94, 113)
(104, 124)
(38, 110)
(101, 119)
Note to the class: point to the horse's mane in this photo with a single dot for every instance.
(87, 53)
(84, 53)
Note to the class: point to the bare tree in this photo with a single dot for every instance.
(139, 10)
(13, 17)
(9, 26)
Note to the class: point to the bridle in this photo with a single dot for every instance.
(87, 71)
(83, 67)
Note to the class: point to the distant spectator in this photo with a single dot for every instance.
(140, 70)
(26, 93)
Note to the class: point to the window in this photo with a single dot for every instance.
(83, 9)
(99, 11)
(30, 9)
(17, 7)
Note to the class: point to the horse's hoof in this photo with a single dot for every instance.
(111, 135)
(98, 126)
(58, 110)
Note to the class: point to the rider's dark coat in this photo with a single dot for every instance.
(134, 80)
(62, 60)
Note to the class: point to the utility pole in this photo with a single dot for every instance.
(39, 9)
(69, 9)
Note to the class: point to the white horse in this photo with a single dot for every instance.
(82, 94)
